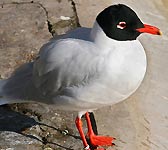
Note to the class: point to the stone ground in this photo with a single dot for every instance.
(140, 123)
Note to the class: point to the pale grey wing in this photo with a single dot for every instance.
(65, 63)
(81, 33)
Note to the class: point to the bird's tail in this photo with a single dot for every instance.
(19, 87)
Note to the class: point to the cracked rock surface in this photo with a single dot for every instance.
(24, 27)
(37, 126)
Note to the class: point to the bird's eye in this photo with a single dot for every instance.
(121, 25)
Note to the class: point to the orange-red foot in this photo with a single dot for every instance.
(101, 140)
(96, 140)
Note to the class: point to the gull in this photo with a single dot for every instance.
(85, 69)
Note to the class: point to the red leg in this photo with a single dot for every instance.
(79, 127)
(97, 140)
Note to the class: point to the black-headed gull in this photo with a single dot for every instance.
(85, 69)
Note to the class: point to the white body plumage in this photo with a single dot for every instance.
(84, 69)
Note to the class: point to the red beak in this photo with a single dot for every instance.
(149, 29)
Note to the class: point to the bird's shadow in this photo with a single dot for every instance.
(13, 121)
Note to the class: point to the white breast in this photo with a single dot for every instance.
(122, 74)
(123, 70)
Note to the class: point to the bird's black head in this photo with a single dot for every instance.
(119, 22)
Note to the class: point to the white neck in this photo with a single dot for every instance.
(98, 36)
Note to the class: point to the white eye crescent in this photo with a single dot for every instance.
(121, 25)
